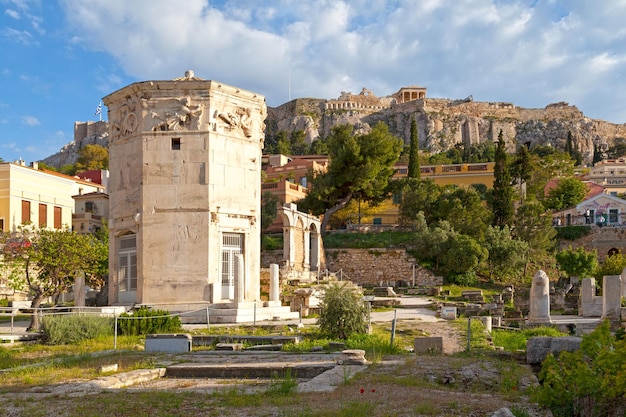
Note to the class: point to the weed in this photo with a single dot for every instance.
(282, 386)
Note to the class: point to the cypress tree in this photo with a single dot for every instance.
(502, 199)
(414, 170)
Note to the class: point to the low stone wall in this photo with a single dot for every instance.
(371, 267)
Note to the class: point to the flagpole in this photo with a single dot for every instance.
(100, 112)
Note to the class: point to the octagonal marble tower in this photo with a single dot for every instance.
(185, 175)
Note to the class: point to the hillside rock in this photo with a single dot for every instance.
(442, 123)
(85, 133)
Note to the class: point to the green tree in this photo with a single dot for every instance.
(360, 166)
(45, 262)
(521, 169)
(341, 311)
(546, 164)
(612, 265)
(298, 143)
(533, 225)
(92, 157)
(505, 253)
(283, 144)
(463, 209)
(572, 151)
(502, 193)
(414, 170)
(464, 254)
(418, 196)
(578, 263)
(432, 243)
(269, 203)
(318, 147)
(568, 193)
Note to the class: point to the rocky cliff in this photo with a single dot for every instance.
(442, 123)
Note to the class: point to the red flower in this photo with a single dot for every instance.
(373, 389)
(361, 390)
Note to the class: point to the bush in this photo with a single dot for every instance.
(146, 321)
(572, 232)
(74, 328)
(341, 312)
(587, 382)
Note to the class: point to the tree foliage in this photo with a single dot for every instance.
(418, 196)
(533, 225)
(502, 194)
(414, 170)
(45, 262)
(92, 157)
(578, 263)
(612, 265)
(341, 311)
(464, 254)
(269, 203)
(505, 253)
(568, 193)
(360, 166)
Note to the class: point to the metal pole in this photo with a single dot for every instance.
(469, 332)
(300, 313)
(115, 334)
(369, 317)
(393, 327)
(254, 312)
(208, 321)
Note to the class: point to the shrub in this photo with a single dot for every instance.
(572, 232)
(341, 312)
(71, 329)
(587, 382)
(146, 321)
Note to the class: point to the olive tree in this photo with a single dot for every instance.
(342, 312)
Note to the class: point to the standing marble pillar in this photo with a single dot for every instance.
(274, 285)
(79, 290)
(611, 297)
(540, 299)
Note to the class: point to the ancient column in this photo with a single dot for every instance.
(79, 290)
(611, 297)
(274, 284)
(540, 299)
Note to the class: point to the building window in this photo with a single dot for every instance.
(397, 197)
(43, 215)
(90, 207)
(176, 144)
(127, 263)
(57, 217)
(25, 211)
(1, 225)
(613, 216)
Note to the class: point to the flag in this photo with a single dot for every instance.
(98, 109)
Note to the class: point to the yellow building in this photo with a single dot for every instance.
(43, 198)
(462, 175)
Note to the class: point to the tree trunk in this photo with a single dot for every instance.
(34, 321)
(328, 213)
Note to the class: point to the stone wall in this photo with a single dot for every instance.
(603, 239)
(371, 267)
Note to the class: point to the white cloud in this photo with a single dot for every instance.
(30, 120)
(19, 36)
(14, 14)
(528, 52)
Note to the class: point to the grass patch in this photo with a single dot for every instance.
(387, 239)
(513, 340)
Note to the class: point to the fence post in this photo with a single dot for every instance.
(208, 320)
(254, 323)
(115, 334)
(469, 332)
(393, 327)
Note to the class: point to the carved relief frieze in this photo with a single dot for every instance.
(125, 120)
(173, 114)
(243, 120)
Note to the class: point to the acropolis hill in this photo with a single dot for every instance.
(442, 123)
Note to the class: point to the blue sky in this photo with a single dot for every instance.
(58, 58)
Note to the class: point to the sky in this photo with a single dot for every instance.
(58, 58)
